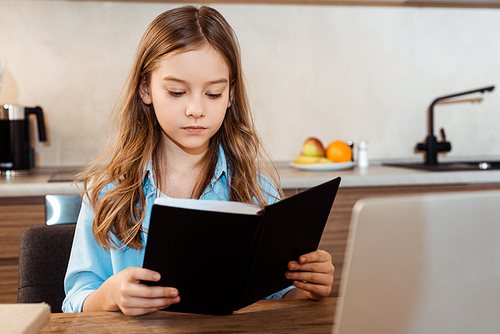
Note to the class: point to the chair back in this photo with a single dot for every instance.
(43, 258)
(62, 209)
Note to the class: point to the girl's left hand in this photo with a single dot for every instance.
(313, 273)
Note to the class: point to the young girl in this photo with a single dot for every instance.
(185, 131)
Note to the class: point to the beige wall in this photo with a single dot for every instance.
(334, 72)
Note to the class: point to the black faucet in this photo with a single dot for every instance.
(431, 146)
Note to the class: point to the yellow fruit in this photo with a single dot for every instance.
(323, 160)
(307, 160)
(339, 151)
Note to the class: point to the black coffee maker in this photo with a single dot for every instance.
(17, 156)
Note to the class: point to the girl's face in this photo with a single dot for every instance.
(190, 92)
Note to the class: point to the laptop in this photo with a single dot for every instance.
(422, 264)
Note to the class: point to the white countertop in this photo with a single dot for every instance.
(36, 184)
(379, 175)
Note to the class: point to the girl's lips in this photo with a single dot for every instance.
(194, 129)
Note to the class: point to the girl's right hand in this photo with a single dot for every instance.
(123, 291)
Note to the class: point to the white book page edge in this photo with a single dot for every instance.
(209, 205)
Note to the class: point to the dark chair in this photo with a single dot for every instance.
(43, 258)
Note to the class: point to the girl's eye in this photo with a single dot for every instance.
(176, 94)
(214, 96)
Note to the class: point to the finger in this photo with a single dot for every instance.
(316, 291)
(293, 265)
(138, 311)
(144, 291)
(135, 274)
(149, 303)
(311, 277)
(325, 266)
(316, 256)
(318, 267)
(134, 311)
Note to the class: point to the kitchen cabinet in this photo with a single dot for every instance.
(16, 214)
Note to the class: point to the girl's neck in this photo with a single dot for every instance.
(177, 172)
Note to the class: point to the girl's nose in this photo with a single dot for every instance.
(195, 109)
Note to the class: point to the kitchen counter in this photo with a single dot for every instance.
(377, 175)
(37, 183)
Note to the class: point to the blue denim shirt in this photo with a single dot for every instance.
(90, 264)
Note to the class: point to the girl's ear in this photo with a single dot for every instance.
(144, 92)
(231, 95)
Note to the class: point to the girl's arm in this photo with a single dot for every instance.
(312, 275)
(108, 280)
(89, 264)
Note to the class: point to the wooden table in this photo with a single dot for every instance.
(267, 316)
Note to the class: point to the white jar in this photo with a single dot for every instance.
(363, 154)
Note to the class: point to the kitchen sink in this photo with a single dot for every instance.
(451, 166)
(66, 176)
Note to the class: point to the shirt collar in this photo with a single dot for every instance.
(221, 167)
(220, 170)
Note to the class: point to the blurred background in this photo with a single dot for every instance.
(333, 72)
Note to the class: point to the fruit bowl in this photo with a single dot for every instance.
(314, 157)
(324, 166)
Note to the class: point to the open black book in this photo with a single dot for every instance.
(222, 261)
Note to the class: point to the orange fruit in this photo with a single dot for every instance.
(339, 151)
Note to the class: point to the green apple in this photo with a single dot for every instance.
(313, 147)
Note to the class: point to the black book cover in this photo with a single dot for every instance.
(221, 262)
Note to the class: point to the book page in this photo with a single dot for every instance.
(209, 205)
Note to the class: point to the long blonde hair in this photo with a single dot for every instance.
(119, 210)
